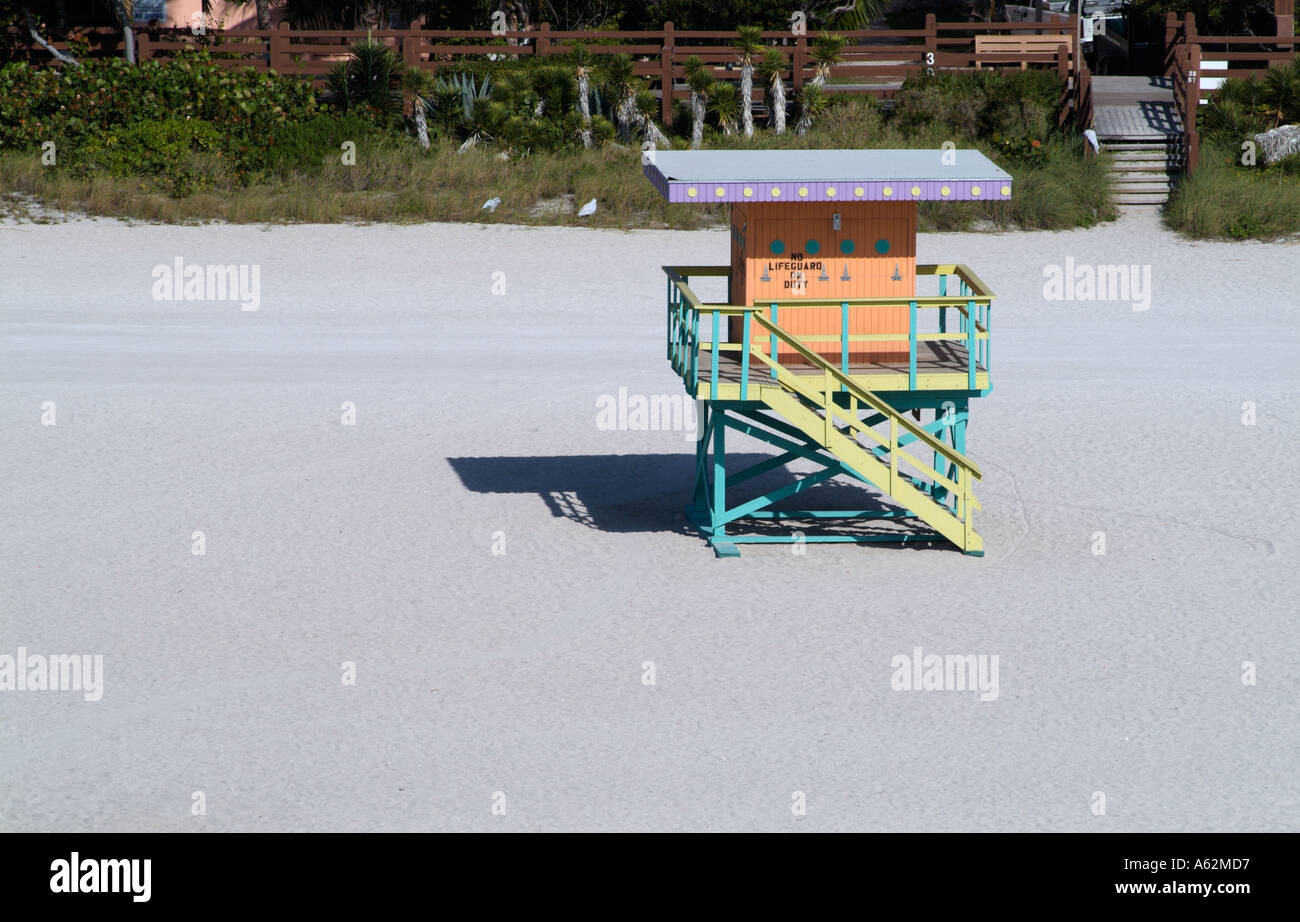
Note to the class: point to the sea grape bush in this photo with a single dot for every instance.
(89, 111)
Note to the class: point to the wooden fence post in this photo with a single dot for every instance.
(930, 57)
(1193, 105)
(143, 52)
(1171, 41)
(798, 60)
(666, 76)
(278, 57)
(542, 44)
(1284, 10)
(1189, 29)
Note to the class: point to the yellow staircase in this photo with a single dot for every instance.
(941, 499)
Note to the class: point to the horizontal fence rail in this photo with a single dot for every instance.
(1197, 64)
(874, 61)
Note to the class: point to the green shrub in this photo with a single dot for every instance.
(1248, 106)
(105, 96)
(302, 148)
(162, 149)
(981, 103)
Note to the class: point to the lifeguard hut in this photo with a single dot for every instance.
(827, 348)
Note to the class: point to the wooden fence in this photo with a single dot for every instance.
(1187, 53)
(874, 61)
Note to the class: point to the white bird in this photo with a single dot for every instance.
(589, 208)
(491, 204)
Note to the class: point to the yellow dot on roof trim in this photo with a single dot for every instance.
(974, 190)
(803, 191)
(1006, 190)
(944, 191)
(748, 192)
(858, 191)
(776, 191)
(691, 192)
(719, 192)
(916, 190)
(888, 190)
(830, 191)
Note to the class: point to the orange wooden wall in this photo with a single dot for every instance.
(790, 251)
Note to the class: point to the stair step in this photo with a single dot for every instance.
(1140, 199)
(1129, 179)
(1144, 187)
(1143, 166)
(1145, 141)
(1113, 147)
(863, 460)
(1142, 156)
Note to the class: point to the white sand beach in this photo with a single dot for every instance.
(522, 672)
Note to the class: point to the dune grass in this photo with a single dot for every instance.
(1227, 201)
(393, 180)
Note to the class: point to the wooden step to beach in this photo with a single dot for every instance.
(1140, 198)
(1143, 168)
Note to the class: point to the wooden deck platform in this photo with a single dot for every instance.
(939, 366)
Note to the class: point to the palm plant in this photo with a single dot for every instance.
(827, 51)
(812, 103)
(725, 105)
(582, 71)
(1282, 84)
(369, 77)
(645, 109)
(629, 94)
(620, 78)
(447, 107)
(749, 41)
(420, 86)
(489, 120)
(700, 81)
(772, 70)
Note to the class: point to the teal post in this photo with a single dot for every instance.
(844, 338)
(911, 347)
(940, 433)
(943, 311)
(988, 343)
(719, 474)
(970, 345)
(670, 319)
(695, 351)
(744, 360)
(713, 352)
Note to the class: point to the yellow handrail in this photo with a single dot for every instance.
(861, 394)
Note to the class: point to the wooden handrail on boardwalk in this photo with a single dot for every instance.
(1185, 57)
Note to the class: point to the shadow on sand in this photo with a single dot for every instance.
(650, 492)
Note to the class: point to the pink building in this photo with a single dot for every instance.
(186, 13)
